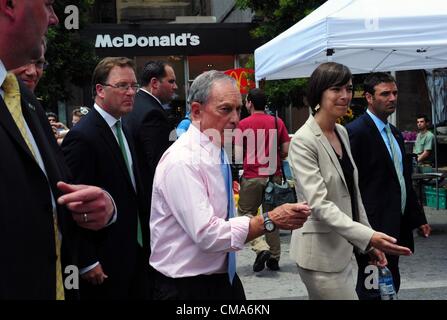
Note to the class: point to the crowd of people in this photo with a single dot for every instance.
(145, 213)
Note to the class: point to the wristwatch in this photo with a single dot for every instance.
(269, 226)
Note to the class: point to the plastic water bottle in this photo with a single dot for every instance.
(386, 284)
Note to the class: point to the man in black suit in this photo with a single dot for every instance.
(32, 169)
(98, 150)
(384, 175)
(148, 123)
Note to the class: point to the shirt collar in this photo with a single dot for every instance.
(204, 141)
(111, 120)
(3, 73)
(142, 89)
(379, 123)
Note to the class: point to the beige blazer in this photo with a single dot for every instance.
(325, 242)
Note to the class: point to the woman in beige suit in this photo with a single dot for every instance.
(326, 177)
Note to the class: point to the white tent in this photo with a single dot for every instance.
(365, 35)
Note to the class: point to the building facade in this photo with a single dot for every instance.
(193, 36)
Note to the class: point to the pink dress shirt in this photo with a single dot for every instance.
(189, 233)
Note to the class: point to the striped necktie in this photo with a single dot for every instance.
(12, 101)
(397, 166)
(226, 172)
(119, 135)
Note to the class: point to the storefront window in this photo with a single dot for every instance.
(199, 64)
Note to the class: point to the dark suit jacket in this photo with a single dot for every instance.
(150, 129)
(94, 157)
(379, 185)
(27, 245)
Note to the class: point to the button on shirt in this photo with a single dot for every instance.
(189, 233)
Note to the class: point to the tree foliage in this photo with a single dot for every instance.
(71, 59)
(276, 16)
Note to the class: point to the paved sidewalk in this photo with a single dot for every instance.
(423, 274)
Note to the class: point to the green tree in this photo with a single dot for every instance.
(71, 59)
(276, 16)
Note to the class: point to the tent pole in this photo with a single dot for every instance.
(433, 117)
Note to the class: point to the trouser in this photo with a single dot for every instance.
(329, 285)
(201, 287)
(251, 196)
(374, 294)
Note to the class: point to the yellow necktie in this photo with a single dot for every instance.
(12, 101)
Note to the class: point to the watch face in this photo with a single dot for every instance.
(269, 226)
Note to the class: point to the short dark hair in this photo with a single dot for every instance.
(424, 116)
(102, 70)
(52, 114)
(327, 75)
(153, 69)
(258, 98)
(375, 78)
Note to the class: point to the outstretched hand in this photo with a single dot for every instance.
(91, 207)
(387, 244)
(290, 216)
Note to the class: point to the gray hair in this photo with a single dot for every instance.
(201, 87)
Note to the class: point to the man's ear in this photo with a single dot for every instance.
(369, 97)
(154, 83)
(196, 109)
(99, 90)
(7, 7)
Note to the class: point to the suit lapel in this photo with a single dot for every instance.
(42, 142)
(110, 140)
(327, 146)
(10, 126)
(158, 104)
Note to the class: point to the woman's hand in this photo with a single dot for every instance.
(387, 244)
(377, 258)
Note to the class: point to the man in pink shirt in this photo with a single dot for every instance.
(265, 142)
(194, 233)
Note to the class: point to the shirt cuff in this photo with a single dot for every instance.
(115, 212)
(239, 232)
(87, 269)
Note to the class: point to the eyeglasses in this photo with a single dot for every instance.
(122, 86)
(39, 64)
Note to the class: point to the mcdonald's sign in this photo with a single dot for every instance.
(244, 78)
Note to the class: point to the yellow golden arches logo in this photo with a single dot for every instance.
(243, 77)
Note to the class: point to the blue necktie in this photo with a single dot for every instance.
(226, 172)
(397, 166)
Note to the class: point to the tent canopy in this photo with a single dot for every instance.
(365, 35)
